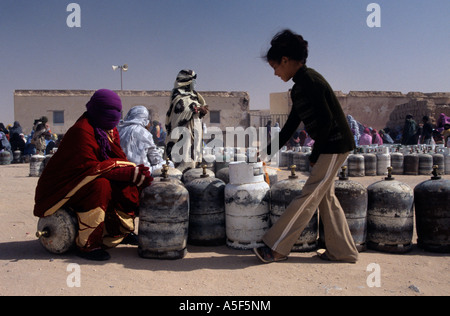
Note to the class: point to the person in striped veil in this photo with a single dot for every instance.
(187, 108)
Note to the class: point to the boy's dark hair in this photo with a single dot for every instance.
(287, 44)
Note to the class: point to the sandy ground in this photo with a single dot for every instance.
(26, 268)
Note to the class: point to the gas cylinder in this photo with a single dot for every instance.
(425, 164)
(370, 164)
(163, 219)
(282, 194)
(17, 156)
(284, 159)
(390, 215)
(36, 165)
(447, 160)
(432, 204)
(209, 159)
(299, 160)
(355, 165)
(439, 160)
(383, 160)
(5, 157)
(223, 158)
(353, 199)
(411, 164)
(270, 175)
(207, 211)
(224, 175)
(58, 231)
(171, 172)
(397, 163)
(247, 202)
(195, 173)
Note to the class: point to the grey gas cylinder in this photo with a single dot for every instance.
(171, 172)
(425, 164)
(58, 231)
(432, 204)
(207, 211)
(300, 159)
(390, 212)
(281, 195)
(355, 164)
(383, 161)
(17, 156)
(224, 175)
(370, 164)
(163, 219)
(247, 202)
(195, 173)
(411, 164)
(353, 199)
(37, 164)
(439, 160)
(284, 159)
(397, 163)
(209, 158)
(447, 160)
(5, 157)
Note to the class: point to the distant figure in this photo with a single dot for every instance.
(137, 142)
(446, 135)
(409, 131)
(387, 139)
(158, 133)
(376, 138)
(354, 128)
(366, 138)
(187, 108)
(427, 131)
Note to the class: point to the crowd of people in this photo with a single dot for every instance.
(40, 141)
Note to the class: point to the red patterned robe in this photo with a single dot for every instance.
(73, 179)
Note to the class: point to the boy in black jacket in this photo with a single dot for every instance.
(314, 103)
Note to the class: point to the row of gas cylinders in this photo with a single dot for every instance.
(376, 162)
(205, 211)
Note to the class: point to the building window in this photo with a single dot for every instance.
(58, 117)
(214, 117)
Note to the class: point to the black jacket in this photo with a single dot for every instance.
(316, 105)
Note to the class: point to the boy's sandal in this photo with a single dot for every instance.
(265, 254)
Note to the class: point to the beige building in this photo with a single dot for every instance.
(378, 109)
(64, 107)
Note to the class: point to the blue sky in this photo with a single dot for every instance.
(222, 40)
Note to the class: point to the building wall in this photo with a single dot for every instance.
(32, 104)
(380, 109)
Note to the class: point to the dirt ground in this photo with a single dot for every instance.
(26, 268)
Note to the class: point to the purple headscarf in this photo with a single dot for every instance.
(104, 112)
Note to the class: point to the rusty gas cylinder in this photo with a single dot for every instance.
(390, 215)
(207, 211)
(432, 204)
(163, 219)
(282, 194)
